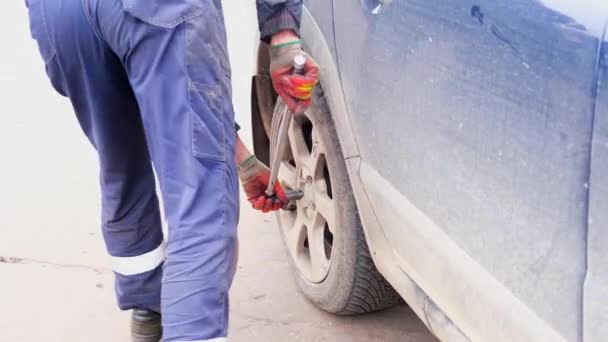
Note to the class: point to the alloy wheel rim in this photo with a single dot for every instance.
(308, 230)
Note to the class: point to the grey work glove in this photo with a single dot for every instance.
(255, 177)
(295, 89)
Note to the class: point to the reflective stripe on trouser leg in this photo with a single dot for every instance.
(178, 67)
(140, 263)
(138, 279)
(84, 68)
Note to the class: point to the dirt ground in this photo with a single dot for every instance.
(55, 282)
(67, 295)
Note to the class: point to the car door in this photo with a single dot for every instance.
(474, 123)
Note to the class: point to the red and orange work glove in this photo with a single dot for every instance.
(255, 177)
(295, 89)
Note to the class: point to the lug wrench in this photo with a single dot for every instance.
(277, 152)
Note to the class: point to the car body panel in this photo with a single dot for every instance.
(596, 283)
(488, 137)
(323, 14)
(385, 259)
(319, 41)
(479, 305)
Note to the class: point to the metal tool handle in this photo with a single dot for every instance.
(299, 62)
(277, 153)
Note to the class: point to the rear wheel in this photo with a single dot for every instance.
(327, 250)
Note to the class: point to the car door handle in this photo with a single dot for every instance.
(375, 7)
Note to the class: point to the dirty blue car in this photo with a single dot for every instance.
(456, 158)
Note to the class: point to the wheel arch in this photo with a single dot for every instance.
(263, 96)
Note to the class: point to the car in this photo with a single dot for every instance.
(455, 156)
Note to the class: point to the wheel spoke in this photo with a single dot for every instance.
(316, 246)
(295, 237)
(325, 206)
(317, 143)
(317, 155)
(316, 163)
(288, 175)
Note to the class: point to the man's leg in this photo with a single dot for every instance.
(177, 64)
(83, 68)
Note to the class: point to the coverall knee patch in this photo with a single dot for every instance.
(208, 134)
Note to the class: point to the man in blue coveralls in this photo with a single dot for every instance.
(149, 81)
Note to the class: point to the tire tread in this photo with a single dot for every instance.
(370, 291)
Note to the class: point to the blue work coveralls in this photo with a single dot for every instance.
(149, 81)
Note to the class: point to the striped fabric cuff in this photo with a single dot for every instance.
(282, 20)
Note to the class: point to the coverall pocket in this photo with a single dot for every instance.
(164, 13)
(208, 134)
(39, 29)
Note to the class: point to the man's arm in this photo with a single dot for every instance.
(279, 22)
(278, 15)
(254, 178)
(242, 153)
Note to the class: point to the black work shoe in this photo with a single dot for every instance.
(145, 326)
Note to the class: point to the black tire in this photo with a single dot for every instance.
(353, 285)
